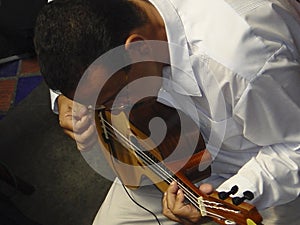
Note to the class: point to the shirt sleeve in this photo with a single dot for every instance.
(269, 110)
(53, 99)
(272, 176)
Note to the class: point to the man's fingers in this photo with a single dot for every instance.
(65, 121)
(174, 203)
(86, 139)
(69, 133)
(179, 204)
(176, 208)
(167, 212)
(169, 201)
(76, 122)
(184, 210)
(86, 134)
(171, 195)
(82, 124)
(79, 110)
(206, 188)
(86, 145)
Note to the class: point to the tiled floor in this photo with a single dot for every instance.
(34, 148)
(17, 80)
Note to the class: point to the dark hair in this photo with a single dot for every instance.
(71, 34)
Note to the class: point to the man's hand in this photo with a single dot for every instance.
(76, 122)
(175, 208)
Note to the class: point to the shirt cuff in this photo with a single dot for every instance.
(53, 98)
(272, 176)
(243, 183)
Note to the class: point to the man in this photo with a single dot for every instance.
(240, 67)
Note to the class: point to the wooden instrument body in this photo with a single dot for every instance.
(132, 170)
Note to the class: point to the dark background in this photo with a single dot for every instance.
(34, 148)
(54, 183)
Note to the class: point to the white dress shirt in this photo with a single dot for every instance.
(242, 72)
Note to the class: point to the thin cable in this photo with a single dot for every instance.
(141, 206)
(168, 177)
(111, 134)
(164, 172)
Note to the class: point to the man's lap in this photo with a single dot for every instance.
(118, 208)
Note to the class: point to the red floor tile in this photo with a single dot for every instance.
(7, 89)
(29, 66)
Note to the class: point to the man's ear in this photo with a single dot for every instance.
(137, 47)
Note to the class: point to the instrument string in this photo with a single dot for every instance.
(162, 171)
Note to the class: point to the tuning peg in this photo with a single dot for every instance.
(223, 195)
(248, 195)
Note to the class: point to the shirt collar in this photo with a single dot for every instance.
(181, 69)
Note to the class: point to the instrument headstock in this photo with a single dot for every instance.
(222, 210)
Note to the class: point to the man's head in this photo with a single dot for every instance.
(71, 34)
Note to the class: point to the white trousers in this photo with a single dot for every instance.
(119, 209)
